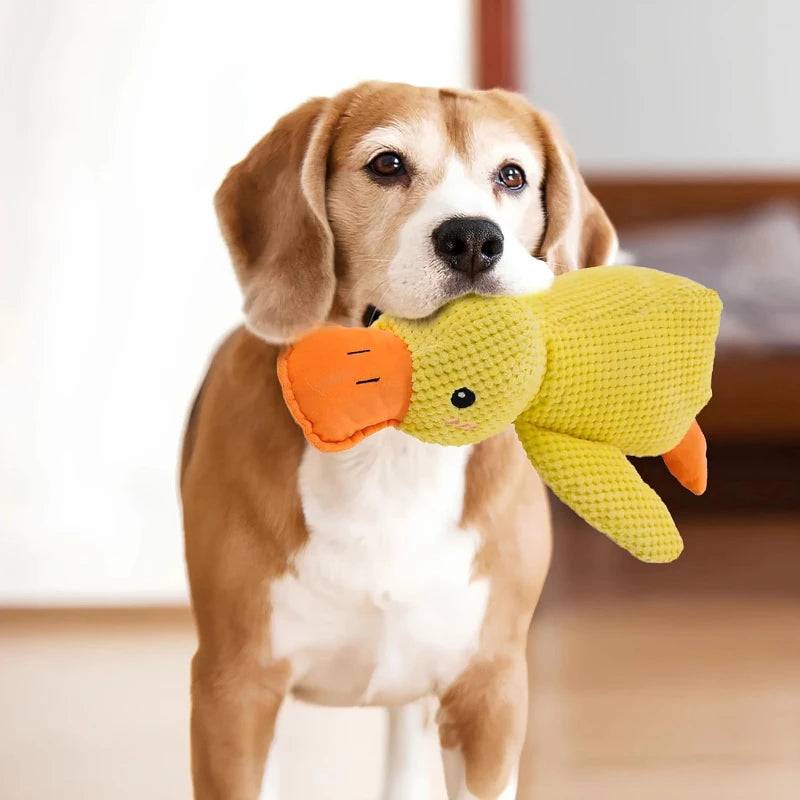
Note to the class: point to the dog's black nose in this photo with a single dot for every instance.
(468, 244)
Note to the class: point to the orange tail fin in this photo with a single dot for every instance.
(687, 461)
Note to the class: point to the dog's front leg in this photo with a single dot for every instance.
(482, 727)
(234, 710)
(408, 772)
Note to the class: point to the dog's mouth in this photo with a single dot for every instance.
(371, 314)
(458, 286)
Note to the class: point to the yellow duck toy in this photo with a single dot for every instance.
(610, 362)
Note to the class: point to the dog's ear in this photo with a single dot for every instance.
(271, 209)
(578, 233)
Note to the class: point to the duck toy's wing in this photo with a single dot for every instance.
(598, 482)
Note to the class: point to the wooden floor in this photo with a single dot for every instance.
(648, 683)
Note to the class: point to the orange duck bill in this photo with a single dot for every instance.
(342, 384)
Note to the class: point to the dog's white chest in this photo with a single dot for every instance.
(381, 606)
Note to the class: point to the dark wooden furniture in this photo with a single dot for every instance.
(756, 393)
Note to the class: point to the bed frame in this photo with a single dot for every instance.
(756, 392)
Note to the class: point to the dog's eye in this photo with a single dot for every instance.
(387, 165)
(463, 397)
(511, 176)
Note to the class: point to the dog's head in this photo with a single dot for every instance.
(401, 198)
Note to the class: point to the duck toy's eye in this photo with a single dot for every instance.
(463, 397)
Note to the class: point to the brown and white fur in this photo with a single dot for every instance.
(398, 570)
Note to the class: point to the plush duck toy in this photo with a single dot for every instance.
(609, 362)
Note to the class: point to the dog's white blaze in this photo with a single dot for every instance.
(380, 607)
(417, 277)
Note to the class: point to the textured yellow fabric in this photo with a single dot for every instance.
(493, 346)
(609, 362)
(630, 354)
(599, 483)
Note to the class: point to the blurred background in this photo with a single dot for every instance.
(118, 121)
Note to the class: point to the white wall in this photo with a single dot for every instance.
(118, 121)
(711, 85)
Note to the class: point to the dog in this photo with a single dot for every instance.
(399, 570)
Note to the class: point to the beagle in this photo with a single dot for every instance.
(396, 571)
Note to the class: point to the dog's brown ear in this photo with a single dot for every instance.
(578, 233)
(271, 209)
